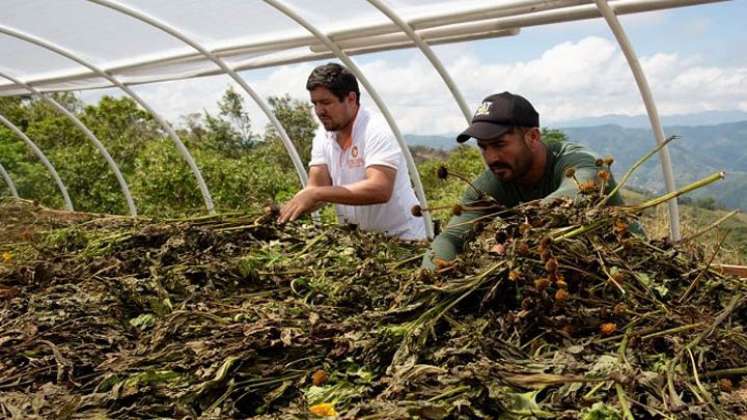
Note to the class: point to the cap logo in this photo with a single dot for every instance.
(483, 109)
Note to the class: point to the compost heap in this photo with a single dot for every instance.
(235, 316)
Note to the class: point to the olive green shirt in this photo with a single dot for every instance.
(560, 156)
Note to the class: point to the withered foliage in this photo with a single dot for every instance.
(556, 310)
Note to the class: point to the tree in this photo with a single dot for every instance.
(299, 124)
(231, 106)
(552, 136)
(229, 132)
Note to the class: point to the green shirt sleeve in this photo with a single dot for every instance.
(450, 242)
(586, 170)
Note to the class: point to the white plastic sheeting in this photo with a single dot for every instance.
(250, 34)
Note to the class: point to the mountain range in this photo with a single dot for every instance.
(698, 151)
(642, 121)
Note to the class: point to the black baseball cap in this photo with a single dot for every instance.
(497, 114)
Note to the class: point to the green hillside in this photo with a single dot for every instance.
(699, 151)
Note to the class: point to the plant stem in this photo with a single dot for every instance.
(673, 330)
(630, 172)
(726, 372)
(580, 230)
(593, 391)
(623, 402)
(674, 194)
(464, 178)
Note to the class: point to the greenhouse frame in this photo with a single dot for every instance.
(191, 42)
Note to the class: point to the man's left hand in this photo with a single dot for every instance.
(303, 202)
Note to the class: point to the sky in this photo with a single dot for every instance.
(694, 59)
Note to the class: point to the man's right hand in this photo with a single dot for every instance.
(303, 202)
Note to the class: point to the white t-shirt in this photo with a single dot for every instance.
(373, 144)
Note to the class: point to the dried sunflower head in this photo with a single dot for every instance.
(551, 265)
(545, 243)
(608, 328)
(457, 210)
(587, 186)
(618, 277)
(725, 384)
(561, 295)
(619, 309)
(442, 172)
(619, 226)
(522, 249)
(441, 263)
(541, 283)
(416, 210)
(272, 209)
(319, 377)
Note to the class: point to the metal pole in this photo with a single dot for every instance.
(8, 181)
(171, 30)
(101, 148)
(653, 113)
(429, 54)
(43, 158)
(166, 126)
(413, 170)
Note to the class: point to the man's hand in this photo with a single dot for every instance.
(303, 202)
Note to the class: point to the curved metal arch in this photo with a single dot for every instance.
(43, 158)
(653, 114)
(8, 181)
(172, 134)
(171, 30)
(101, 148)
(429, 54)
(413, 170)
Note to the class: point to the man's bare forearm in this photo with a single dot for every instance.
(357, 194)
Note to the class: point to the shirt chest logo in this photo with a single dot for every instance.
(355, 160)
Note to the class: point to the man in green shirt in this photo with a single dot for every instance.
(521, 167)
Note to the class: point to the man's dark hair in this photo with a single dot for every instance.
(339, 80)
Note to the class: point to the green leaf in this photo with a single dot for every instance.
(143, 322)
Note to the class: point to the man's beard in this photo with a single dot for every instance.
(332, 125)
(517, 171)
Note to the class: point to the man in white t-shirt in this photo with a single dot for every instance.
(355, 162)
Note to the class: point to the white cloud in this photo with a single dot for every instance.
(570, 80)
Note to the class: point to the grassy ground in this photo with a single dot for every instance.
(733, 232)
